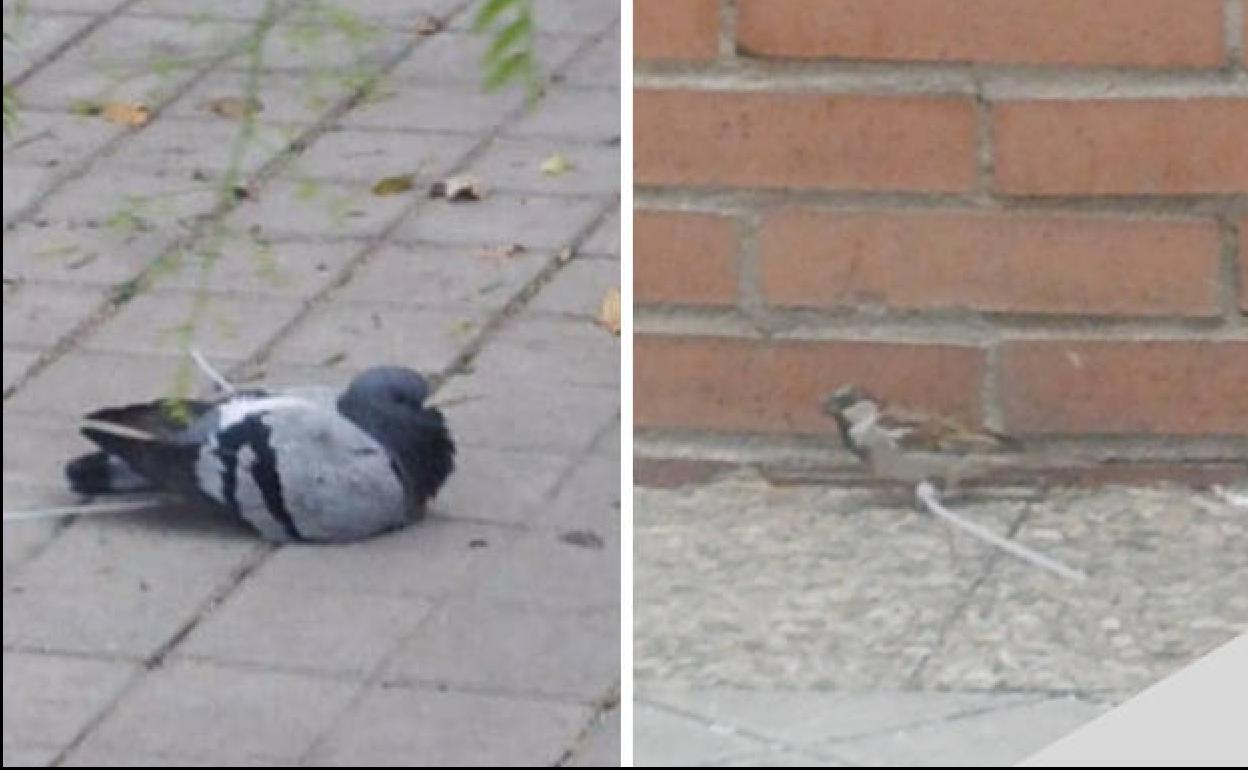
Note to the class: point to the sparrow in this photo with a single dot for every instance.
(903, 445)
(302, 464)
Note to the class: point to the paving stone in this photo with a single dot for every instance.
(202, 710)
(131, 203)
(247, 265)
(193, 148)
(297, 98)
(588, 499)
(230, 326)
(358, 47)
(29, 756)
(16, 362)
(39, 314)
(368, 156)
(202, 9)
(116, 378)
(35, 450)
(601, 746)
(429, 559)
(94, 255)
(49, 699)
(355, 335)
(580, 17)
(777, 758)
(290, 626)
(599, 66)
(662, 738)
(524, 416)
(402, 104)
(534, 222)
(811, 719)
(497, 485)
(455, 56)
(131, 59)
(606, 238)
(515, 166)
(55, 140)
(22, 186)
(122, 757)
(994, 739)
(539, 349)
(122, 586)
(575, 113)
(544, 570)
(436, 275)
(578, 289)
(513, 648)
(495, 731)
(35, 37)
(292, 206)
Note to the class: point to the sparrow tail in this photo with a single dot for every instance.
(926, 493)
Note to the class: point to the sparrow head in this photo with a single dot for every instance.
(844, 398)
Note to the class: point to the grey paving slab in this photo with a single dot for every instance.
(547, 570)
(540, 350)
(580, 17)
(516, 165)
(588, 114)
(352, 335)
(288, 99)
(432, 107)
(535, 222)
(453, 57)
(601, 746)
(245, 264)
(29, 756)
(605, 239)
(314, 41)
(22, 186)
(226, 326)
(500, 485)
(84, 253)
(368, 156)
(495, 730)
(579, 288)
(16, 362)
(291, 206)
(997, 738)
(194, 147)
(48, 700)
(55, 139)
(284, 626)
(130, 202)
(35, 37)
(513, 647)
(202, 9)
(37, 314)
(121, 587)
(599, 66)
(664, 738)
(434, 274)
(208, 711)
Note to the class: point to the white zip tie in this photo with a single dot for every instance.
(111, 506)
(926, 493)
(221, 383)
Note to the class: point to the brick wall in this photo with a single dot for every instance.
(1030, 213)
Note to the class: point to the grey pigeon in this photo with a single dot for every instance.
(303, 464)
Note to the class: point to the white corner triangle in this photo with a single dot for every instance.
(1196, 717)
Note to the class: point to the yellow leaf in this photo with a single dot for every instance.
(125, 113)
(609, 314)
(394, 185)
(556, 165)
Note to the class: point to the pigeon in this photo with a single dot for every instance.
(902, 445)
(303, 464)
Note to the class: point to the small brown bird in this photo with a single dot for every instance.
(905, 445)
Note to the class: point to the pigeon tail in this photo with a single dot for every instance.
(98, 473)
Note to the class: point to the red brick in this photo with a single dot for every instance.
(675, 29)
(724, 384)
(1147, 147)
(1153, 33)
(1076, 387)
(803, 141)
(684, 257)
(990, 262)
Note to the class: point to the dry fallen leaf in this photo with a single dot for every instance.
(556, 165)
(502, 252)
(394, 185)
(458, 188)
(429, 25)
(609, 313)
(125, 113)
(234, 107)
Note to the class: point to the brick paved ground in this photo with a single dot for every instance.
(478, 636)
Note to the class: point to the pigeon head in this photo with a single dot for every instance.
(388, 403)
